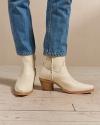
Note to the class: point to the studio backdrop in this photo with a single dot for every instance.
(83, 40)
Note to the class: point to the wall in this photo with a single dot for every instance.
(83, 41)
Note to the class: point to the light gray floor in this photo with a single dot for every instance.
(50, 108)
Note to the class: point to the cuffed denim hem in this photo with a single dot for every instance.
(25, 53)
(51, 53)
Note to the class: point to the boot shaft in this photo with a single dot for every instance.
(54, 63)
(29, 60)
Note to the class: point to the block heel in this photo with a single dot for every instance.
(46, 85)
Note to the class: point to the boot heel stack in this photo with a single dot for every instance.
(46, 85)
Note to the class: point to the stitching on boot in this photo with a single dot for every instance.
(51, 68)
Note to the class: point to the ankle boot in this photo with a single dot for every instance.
(54, 71)
(25, 82)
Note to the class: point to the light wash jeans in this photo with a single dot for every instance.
(57, 25)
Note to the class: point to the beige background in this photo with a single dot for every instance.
(84, 33)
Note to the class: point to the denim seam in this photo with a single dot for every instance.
(49, 25)
(30, 38)
(30, 32)
(27, 34)
(57, 53)
(50, 21)
(52, 51)
(54, 54)
(25, 53)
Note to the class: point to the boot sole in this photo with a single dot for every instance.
(21, 93)
(48, 85)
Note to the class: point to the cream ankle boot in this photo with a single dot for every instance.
(25, 81)
(54, 71)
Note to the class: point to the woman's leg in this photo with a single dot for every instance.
(21, 25)
(54, 70)
(57, 25)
